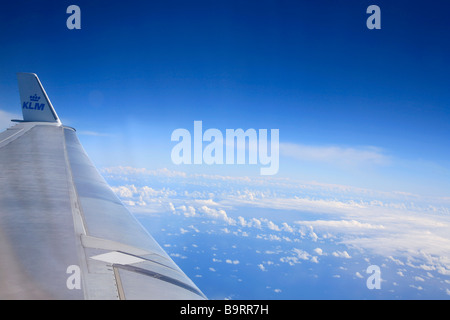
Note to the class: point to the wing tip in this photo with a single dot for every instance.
(29, 83)
(20, 74)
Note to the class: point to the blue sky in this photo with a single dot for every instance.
(359, 107)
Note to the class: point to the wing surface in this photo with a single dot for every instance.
(64, 234)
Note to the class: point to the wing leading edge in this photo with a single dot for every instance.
(64, 234)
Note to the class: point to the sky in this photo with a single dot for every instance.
(135, 72)
(356, 109)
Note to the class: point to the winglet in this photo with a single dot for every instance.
(36, 106)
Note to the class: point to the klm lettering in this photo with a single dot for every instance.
(34, 99)
(36, 106)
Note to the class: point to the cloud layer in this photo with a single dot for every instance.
(303, 223)
(337, 155)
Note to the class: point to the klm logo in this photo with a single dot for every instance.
(34, 100)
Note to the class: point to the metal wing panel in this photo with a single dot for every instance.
(37, 239)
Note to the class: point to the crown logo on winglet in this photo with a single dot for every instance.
(35, 97)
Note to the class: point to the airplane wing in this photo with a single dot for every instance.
(64, 234)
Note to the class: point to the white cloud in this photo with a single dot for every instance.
(336, 155)
(407, 229)
(416, 287)
(298, 256)
(314, 259)
(142, 193)
(341, 254)
(273, 237)
(194, 228)
(286, 227)
(318, 251)
(312, 234)
(301, 254)
(397, 261)
(125, 191)
(341, 224)
(177, 255)
(127, 170)
(207, 202)
(217, 214)
(95, 133)
(272, 226)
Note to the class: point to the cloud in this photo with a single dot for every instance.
(120, 171)
(217, 214)
(261, 267)
(125, 191)
(319, 251)
(272, 226)
(341, 224)
(407, 229)
(341, 254)
(94, 133)
(336, 155)
(298, 256)
(296, 203)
